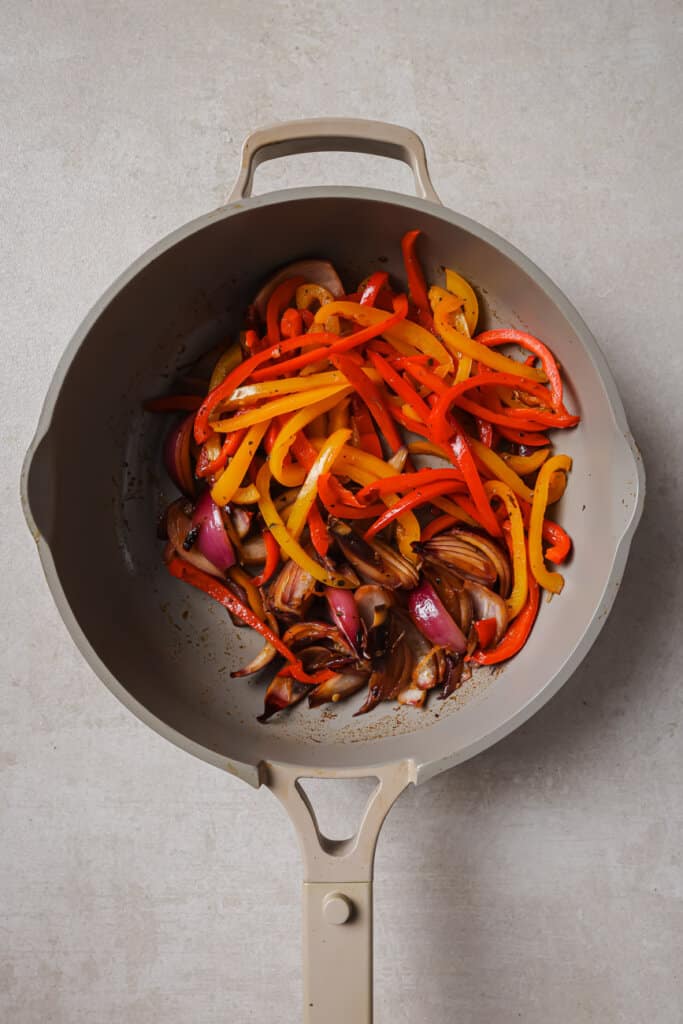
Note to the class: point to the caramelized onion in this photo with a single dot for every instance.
(265, 655)
(314, 271)
(283, 692)
(337, 688)
(292, 591)
(431, 618)
(345, 614)
(488, 605)
(179, 525)
(465, 558)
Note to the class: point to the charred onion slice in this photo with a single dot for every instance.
(488, 605)
(337, 688)
(283, 692)
(292, 591)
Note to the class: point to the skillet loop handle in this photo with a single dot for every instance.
(334, 134)
(337, 896)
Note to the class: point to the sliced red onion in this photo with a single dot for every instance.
(345, 615)
(337, 688)
(179, 525)
(314, 271)
(177, 455)
(432, 619)
(488, 605)
(213, 541)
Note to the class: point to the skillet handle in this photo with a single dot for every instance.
(337, 896)
(337, 134)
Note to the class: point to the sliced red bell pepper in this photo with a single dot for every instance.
(291, 323)
(464, 460)
(523, 437)
(437, 525)
(303, 450)
(407, 481)
(402, 388)
(486, 631)
(345, 344)
(559, 541)
(485, 431)
(244, 370)
(342, 503)
(272, 559)
(417, 287)
(280, 298)
(417, 497)
(182, 570)
(270, 436)
(371, 395)
(317, 527)
(528, 341)
(517, 632)
(373, 286)
(230, 445)
(364, 428)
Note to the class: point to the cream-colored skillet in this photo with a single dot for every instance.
(92, 486)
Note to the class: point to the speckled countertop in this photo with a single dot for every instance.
(542, 880)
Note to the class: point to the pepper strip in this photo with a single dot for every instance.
(372, 397)
(402, 388)
(278, 301)
(378, 325)
(227, 362)
(279, 406)
(230, 481)
(373, 287)
(552, 581)
(416, 279)
(333, 497)
(182, 570)
(249, 393)
(364, 469)
(294, 476)
(437, 525)
(272, 559)
(288, 545)
(404, 331)
(500, 470)
(244, 580)
(202, 427)
(320, 536)
(364, 433)
(524, 465)
(309, 491)
(419, 496)
(457, 342)
(406, 481)
(520, 587)
(339, 415)
(463, 290)
(528, 341)
(517, 632)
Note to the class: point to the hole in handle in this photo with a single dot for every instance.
(337, 807)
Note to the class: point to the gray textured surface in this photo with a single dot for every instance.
(543, 880)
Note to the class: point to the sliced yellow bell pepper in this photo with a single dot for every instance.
(441, 301)
(293, 476)
(230, 480)
(365, 469)
(309, 491)
(463, 290)
(248, 495)
(520, 577)
(498, 468)
(453, 307)
(250, 393)
(339, 415)
(552, 581)
(279, 406)
(227, 362)
(307, 294)
(524, 465)
(243, 578)
(288, 545)
(404, 332)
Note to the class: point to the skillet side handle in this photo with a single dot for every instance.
(337, 896)
(334, 134)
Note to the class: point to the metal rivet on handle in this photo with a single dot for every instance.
(337, 908)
